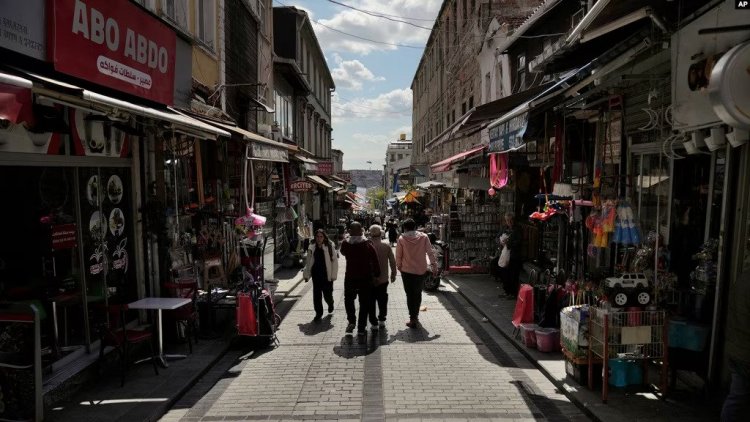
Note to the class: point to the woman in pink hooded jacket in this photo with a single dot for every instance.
(412, 250)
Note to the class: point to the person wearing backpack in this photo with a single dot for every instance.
(322, 265)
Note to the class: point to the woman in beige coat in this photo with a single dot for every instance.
(385, 258)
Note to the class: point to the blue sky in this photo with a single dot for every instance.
(372, 102)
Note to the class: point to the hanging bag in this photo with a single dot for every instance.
(504, 259)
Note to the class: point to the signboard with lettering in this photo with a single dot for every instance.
(115, 44)
(64, 237)
(301, 186)
(508, 136)
(265, 152)
(22, 27)
(325, 168)
(345, 175)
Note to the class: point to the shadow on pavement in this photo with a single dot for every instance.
(316, 327)
(413, 335)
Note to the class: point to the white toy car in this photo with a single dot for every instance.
(637, 281)
(628, 281)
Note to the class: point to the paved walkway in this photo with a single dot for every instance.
(683, 404)
(454, 367)
(145, 396)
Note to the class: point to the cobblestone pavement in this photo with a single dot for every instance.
(454, 367)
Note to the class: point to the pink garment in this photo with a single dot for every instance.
(498, 170)
(412, 251)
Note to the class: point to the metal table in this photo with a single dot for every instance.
(158, 304)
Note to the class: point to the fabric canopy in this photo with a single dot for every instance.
(320, 181)
(446, 164)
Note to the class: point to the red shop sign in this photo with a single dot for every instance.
(325, 168)
(301, 186)
(63, 236)
(115, 44)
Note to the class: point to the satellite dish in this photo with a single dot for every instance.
(729, 88)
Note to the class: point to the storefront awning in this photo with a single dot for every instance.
(319, 180)
(430, 184)
(15, 99)
(446, 164)
(73, 96)
(304, 159)
(506, 133)
(261, 148)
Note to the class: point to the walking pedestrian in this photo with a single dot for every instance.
(512, 239)
(385, 257)
(322, 265)
(737, 404)
(412, 250)
(392, 231)
(362, 267)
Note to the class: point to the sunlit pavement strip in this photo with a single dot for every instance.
(453, 368)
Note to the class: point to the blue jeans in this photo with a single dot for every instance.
(737, 404)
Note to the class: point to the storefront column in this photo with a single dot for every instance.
(137, 206)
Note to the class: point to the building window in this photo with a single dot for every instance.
(463, 108)
(400, 156)
(176, 11)
(521, 72)
(206, 21)
(148, 4)
(471, 102)
(487, 87)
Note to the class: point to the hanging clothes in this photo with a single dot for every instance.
(498, 170)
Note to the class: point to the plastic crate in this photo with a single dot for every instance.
(580, 373)
(548, 339)
(688, 336)
(528, 335)
(623, 372)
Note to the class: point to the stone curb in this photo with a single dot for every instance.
(581, 405)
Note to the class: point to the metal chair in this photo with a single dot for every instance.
(185, 316)
(114, 333)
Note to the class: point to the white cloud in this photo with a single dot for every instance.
(394, 104)
(351, 74)
(376, 28)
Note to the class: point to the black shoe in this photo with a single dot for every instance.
(361, 333)
(317, 318)
(330, 308)
(349, 329)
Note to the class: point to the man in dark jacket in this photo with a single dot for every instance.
(362, 267)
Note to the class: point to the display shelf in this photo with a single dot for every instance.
(633, 335)
(472, 230)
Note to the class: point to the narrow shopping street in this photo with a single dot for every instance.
(453, 367)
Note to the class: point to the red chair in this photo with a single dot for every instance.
(185, 316)
(115, 334)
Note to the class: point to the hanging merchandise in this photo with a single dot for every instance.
(498, 170)
(626, 229)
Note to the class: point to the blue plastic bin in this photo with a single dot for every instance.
(687, 335)
(623, 372)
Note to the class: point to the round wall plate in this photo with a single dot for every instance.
(728, 88)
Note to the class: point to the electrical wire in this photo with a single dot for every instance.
(368, 39)
(383, 14)
(392, 19)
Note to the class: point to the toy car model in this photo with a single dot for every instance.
(629, 281)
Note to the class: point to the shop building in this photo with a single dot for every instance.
(612, 108)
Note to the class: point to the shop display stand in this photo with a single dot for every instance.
(473, 229)
(27, 316)
(636, 335)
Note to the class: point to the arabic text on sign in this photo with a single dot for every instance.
(94, 27)
(122, 72)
